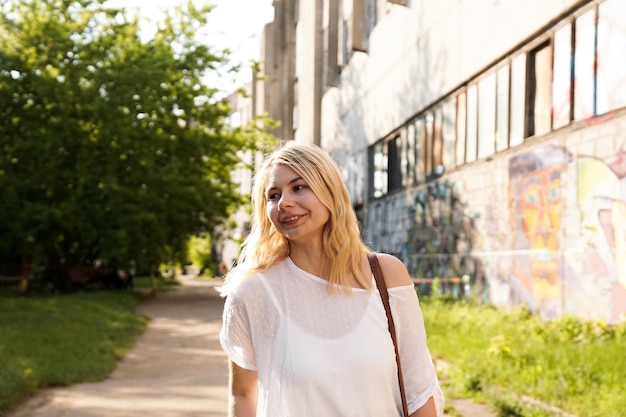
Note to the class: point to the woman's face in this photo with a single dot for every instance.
(292, 207)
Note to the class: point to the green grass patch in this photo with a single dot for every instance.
(496, 357)
(62, 340)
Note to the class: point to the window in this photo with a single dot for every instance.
(408, 156)
(562, 83)
(472, 123)
(437, 138)
(420, 144)
(539, 90)
(422, 139)
(295, 111)
(391, 168)
(330, 34)
(448, 113)
(502, 107)
(296, 10)
(487, 116)
(378, 160)
(345, 42)
(461, 117)
(584, 62)
(518, 100)
(363, 22)
(405, 168)
(394, 164)
(429, 150)
(359, 25)
(412, 155)
(611, 72)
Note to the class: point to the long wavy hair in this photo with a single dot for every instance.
(264, 247)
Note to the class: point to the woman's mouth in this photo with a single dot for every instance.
(290, 219)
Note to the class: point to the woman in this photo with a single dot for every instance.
(303, 325)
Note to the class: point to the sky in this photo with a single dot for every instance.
(233, 24)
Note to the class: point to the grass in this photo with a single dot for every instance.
(61, 340)
(524, 366)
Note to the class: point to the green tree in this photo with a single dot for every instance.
(111, 147)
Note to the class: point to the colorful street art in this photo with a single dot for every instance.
(601, 264)
(557, 268)
(440, 235)
(553, 238)
(535, 208)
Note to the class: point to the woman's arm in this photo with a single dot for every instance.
(243, 386)
(396, 275)
(427, 410)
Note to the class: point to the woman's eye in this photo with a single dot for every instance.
(299, 187)
(273, 196)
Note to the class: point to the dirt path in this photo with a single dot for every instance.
(177, 368)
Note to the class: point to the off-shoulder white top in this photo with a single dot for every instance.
(327, 355)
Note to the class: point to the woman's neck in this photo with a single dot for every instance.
(309, 258)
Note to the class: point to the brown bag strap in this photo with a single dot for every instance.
(384, 295)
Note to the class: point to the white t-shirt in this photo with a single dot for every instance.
(327, 355)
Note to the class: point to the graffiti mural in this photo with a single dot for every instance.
(440, 234)
(600, 262)
(553, 267)
(551, 235)
(535, 209)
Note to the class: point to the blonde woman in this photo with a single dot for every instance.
(303, 325)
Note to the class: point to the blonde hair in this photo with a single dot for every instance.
(265, 246)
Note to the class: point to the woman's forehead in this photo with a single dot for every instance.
(281, 174)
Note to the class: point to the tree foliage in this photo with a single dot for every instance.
(111, 147)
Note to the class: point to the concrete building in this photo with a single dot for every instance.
(478, 138)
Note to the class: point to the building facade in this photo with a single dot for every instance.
(479, 138)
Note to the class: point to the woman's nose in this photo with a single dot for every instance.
(285, 201)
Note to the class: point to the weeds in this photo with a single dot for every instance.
(570, 364)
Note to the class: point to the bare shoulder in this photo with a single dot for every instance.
(394, 271)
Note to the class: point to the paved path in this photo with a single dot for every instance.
(176, 369)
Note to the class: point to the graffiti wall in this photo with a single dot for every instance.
(535, 209)
(431, 230)
(564, 267)
(551, 234)
(599, 266)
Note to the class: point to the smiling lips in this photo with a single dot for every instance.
(290, 219)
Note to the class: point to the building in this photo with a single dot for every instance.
(480, 138)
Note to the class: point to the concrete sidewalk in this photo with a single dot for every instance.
(176, 369)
